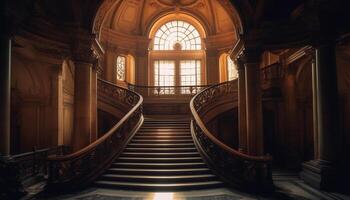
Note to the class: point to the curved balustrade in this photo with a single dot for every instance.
(240, 170)
(82, 167)
(166, 91)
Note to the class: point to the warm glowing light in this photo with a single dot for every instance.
(231, 69)
(163, 196)
(177, 35)
(120, 68)
(190, 74)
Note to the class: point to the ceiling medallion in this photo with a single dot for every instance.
(177, 2)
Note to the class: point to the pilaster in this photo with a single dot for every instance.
(322, 171)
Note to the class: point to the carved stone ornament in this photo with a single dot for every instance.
(252, 55)
(83, 50)
(177, 2)
(103, 10)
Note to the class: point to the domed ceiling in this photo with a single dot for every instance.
(135, 17)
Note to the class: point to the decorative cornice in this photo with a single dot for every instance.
(42, 47)
(307, 50)
(98, 49)
(178, 3)
(245, 53)
(83, 47)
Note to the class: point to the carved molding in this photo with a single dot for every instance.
(83, 47)
(101, 13)
(307, 50)
(42, 46)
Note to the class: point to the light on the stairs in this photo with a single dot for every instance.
(163, 196)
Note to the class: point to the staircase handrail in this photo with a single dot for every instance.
(62, 169)
(225, 161)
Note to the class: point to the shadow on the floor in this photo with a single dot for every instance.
(283, 194)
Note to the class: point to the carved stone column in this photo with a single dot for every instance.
(85, 91)
(321, 172)
(242, 112)
(5, 94)
(255, 138)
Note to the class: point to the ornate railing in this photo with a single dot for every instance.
(246, 172)
(166, 91)
(84, 166)
(34, 163)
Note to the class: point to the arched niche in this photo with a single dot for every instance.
(227, 69)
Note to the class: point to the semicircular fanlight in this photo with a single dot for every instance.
(177, 33)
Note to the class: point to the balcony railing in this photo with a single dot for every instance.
(167, 91)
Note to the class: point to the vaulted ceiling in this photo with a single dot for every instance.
(277, 20)
(136, 16)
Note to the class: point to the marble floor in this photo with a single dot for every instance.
(288, 187)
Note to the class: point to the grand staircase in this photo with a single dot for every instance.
(160, 157)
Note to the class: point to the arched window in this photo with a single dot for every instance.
(177, 57)
(177, 35)
(120, 68)
(232, 72)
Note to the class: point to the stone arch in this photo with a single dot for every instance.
(233, 8)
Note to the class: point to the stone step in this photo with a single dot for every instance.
(134, 165)
(158, 179)
(160, 155)
(159, 186)
(154, 137)
(159, 160)
(161, 141)
(160, 150)
(160, 172)
(161, 145)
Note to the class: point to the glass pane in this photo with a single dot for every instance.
(177, 32)
(190, 75)
(120, 68)
(164, 73)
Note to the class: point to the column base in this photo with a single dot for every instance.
(319, 174)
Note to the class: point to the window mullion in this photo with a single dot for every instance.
(177, 74)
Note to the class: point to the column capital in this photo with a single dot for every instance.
(239, 63)
(250, 55)
(83, 48)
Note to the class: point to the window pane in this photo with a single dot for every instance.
(177, 32)
(120, 68)
(190, 75)
(164, 73)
